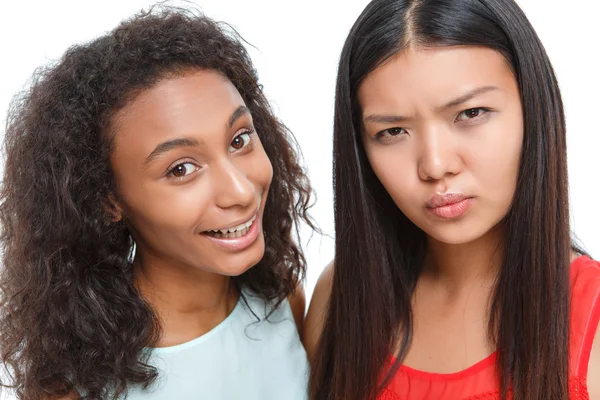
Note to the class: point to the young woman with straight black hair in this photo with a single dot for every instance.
(455, 275)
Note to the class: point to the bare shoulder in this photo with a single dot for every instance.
(315, 319)
(297, 302)
(593, 378)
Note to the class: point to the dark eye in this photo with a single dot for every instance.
(395, 131)
(181, 170)
(391, 132)
(239, 142)
(470, 114)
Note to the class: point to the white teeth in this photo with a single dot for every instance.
(231, 235)
(236, 231)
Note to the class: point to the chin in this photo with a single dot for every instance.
(453, 239)
(456, 235)
(238, 269)
(235, 271)
(236, 265)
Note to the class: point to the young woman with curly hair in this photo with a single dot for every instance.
(148, 209)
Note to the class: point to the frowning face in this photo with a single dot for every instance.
(443, 131)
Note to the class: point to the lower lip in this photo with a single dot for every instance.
(241, 243)
(454, 210)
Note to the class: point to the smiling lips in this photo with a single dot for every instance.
(233, 232)
(238, 237)
(449, 206)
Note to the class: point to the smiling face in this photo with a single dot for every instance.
(443, 131)
(191, 174)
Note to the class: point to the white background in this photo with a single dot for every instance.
(297, 48)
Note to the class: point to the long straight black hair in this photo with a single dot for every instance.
(379, 252)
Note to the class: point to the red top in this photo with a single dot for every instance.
(481, 381)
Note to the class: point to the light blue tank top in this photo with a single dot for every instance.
(242, 358)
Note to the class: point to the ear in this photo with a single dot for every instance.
(113, 208)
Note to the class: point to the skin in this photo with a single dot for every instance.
(450, 120)
(317, 309)
(593, 381)
(215, 175)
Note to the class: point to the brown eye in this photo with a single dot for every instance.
(181, 170)
(390, 133)
(395, 131)
(472, 113)
(239, 142)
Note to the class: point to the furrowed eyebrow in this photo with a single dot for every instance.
(467, 96)
(391, 119)
(384, 119)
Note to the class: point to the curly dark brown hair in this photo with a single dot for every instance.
(71, 317)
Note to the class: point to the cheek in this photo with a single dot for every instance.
(260, 169)
(267, 171)
(155, 208)
(396, 172)
(495, 163)
(162, 212)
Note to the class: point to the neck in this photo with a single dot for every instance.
(459, 265)
(189, 302)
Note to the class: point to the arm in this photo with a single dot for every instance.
(315, 319)
(593, 378)
(298, 305)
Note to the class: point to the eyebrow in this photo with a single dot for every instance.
(385, 119)
(190, 142)
(467, 96)
(170, 145)
(389, 119)
(241, 110)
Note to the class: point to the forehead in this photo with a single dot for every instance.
(192, 104)
(434, 75)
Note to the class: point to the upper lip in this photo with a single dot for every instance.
(441, 200)
(235, 223)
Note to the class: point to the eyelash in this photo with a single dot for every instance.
(484, 113)
(248, 132)
(179, 178)
(382, 134)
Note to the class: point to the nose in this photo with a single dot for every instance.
(438, 156)
(233, 188)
